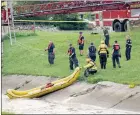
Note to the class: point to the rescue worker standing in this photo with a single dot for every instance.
(92, 52)
(103, 54)
(81, 43)
(116, 54)
(72, 57)
(51, 52)
(106, 35)
(128, 48)
(91, 68)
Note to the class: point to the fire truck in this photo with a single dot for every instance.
(113, 13)
(117, 19)
(5, 13)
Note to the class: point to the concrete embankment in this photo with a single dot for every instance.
(81, 97)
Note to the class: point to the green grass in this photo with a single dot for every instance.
(7, 113)
(27, 56)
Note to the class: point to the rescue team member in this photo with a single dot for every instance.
(92, 52)
(106, 35)
(103, 54)
(51, 52)
(72, 57)
(91, 68)
(116, 54)
(128, 47)
(81, 43)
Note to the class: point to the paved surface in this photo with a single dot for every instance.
(104, 97)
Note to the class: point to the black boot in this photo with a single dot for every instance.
(104, 66)
(101, 66)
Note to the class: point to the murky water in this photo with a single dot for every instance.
(39, 106)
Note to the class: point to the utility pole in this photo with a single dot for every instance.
(7, 20)
(12, 17)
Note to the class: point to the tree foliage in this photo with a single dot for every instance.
(57, 17)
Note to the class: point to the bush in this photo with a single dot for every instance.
(24, 34)
(72, 26)
(19, 34)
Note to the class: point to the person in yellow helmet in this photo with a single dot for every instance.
(90, 68)
(103, 54)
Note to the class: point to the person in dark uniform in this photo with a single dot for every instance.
(106, 34)
(128, 48)
(81, 43)
(92, 52)
(51, 52)
(72, 57)
(116, 54)
(103, 54)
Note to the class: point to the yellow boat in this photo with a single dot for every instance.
(45, 89)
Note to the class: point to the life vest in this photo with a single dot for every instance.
(116, 47)
(70, 51)
(93, 65)
(80, 40)
(50, 48)
(129, 42)
(102, 48)
(50, 45)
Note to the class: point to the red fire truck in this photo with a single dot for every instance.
(113, 13)
(117, 19)
(4, 14)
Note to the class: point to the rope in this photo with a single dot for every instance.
(37, 51)
(47, 21)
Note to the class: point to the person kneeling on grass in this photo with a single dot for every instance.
(90, 68)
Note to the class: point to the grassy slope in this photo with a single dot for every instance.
(27, 56)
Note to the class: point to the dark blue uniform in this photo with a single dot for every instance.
(72, 58)
(128, 49)
(106, 34)
(51, 55)
(116, 55)
(92, 52)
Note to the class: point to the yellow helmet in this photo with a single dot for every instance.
(102, 42)
(88, 60)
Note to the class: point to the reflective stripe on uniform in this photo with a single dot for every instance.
(102, 48)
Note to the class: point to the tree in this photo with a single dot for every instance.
(57, 17)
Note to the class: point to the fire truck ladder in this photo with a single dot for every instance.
(68, 7)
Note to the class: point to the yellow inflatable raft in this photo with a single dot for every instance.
(45, 89)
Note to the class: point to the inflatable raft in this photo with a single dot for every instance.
(46, 88)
